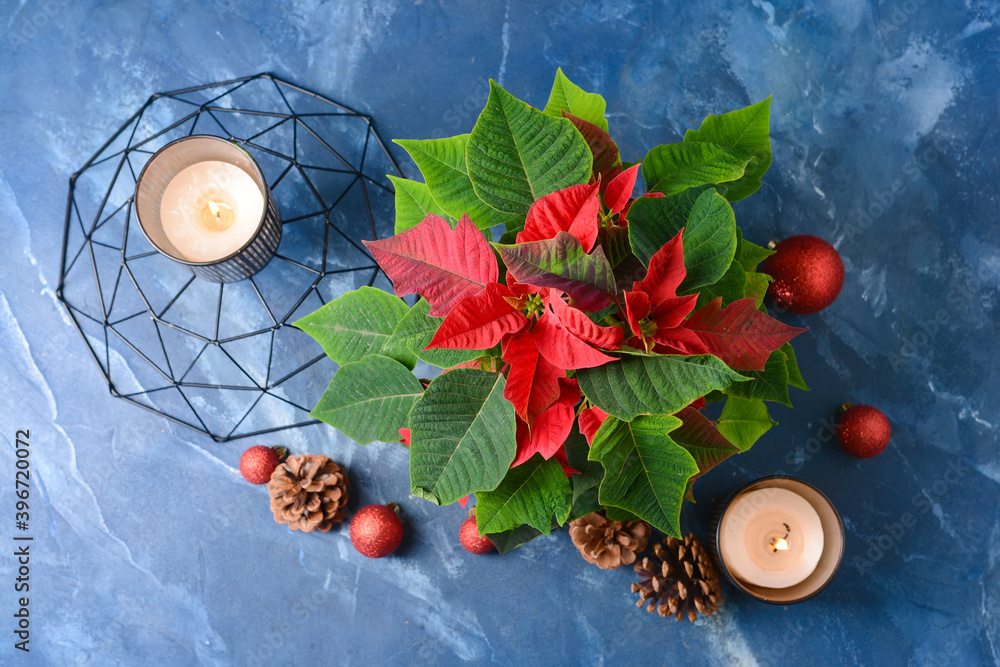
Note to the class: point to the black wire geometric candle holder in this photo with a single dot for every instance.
(223, 358)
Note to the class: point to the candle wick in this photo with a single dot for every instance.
(781, 543)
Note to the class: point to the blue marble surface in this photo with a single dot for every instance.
(151, 549)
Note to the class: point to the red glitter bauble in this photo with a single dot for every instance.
(376, 530)
(468, 535)
(258, 462)
(808, 274)
(863, 431)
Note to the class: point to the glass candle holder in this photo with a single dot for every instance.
(202, 201)
(778, 539)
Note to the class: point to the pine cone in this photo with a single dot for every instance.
(680, 579)
(608, 544)
(308, 493)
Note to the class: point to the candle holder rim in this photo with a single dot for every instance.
(718, 532)
(212, 262)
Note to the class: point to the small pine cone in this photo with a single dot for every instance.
(308, 493)
(679, 580)
(608, 544)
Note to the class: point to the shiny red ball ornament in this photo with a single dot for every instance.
(468, 535)
(808, 274)
(376, 530)
(258, 462)
(863, 431)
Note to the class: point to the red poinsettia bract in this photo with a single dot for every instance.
(541, 332)
(653, 310)
(441, 264)
(541, 338)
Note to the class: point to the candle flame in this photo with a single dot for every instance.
(780, 543)
(216, 216)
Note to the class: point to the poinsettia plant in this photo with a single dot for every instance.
(581, 331)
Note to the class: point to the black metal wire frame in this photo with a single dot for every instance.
(175, 378)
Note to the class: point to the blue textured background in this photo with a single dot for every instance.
(151, 549)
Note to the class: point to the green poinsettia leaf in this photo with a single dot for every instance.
(703, 441)
(442, 162)
(743, 421)
(461, 436)
(369, 400)
(744, 130)
(652, 221)
(516, 154)
(770, 384)
(532, 493)
(650, 470)
(567, 96)
(792, 365)
(618, 514)
(715, 397)
(756, 286)
(413, 203)
(732, 286)
(656, 384)
(614, 242)
(416, 329)
(584, 499)
(672, 168)
(709, 225)
(740, 280)
(508, 540)
(709, 241)
(509, 237)
(577, 448)
(749, 254)
(357, 324)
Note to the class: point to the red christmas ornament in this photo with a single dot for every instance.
(258, 462)
(808, 274)
(468, 535)
(376, 530)
(863, 431)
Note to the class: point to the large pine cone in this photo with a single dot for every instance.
(679, 580)
(308, 493)
(608, 544)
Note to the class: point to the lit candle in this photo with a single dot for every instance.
(210, 210)
(203, 201)
(779, 539)
(773, 538)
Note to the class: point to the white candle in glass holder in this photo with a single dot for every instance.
(771, 537)
(210, 210)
